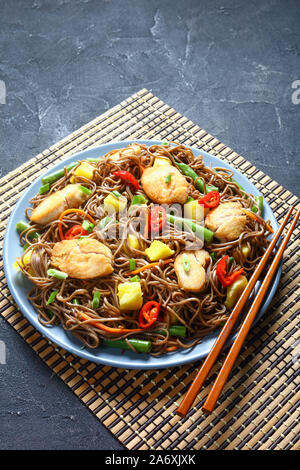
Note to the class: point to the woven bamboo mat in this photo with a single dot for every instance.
(259, 408)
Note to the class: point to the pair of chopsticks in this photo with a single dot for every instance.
(220, 381)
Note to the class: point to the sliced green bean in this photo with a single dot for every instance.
(199, 230)
(139, 345)
(21, 226)
(92, 160)
(58, 174)
(199, 184)
(260, 204)
(174, 330)
(44, 189)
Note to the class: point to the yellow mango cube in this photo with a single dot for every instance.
(158, 250)
(114, 204)
(159, 161)
(194, 211)
(130, 295)
(133, 242)
(85, 169)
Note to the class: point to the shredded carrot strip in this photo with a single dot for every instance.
(171, 348)
(69, 211)
(148, 266)
(253, 216)
(108, 329)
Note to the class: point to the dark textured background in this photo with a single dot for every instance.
(226, 65)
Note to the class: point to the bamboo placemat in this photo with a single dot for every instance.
(259, 408)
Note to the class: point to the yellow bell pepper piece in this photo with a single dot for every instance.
(130, 295)
(158, 250)
(162, 162)
(114, 204)
(85, 169)
(234, 291)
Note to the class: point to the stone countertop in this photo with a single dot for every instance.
(227, 65)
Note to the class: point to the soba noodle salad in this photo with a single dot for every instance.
(144, 248)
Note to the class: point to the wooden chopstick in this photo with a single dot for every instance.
(243, 331)
(210, 360)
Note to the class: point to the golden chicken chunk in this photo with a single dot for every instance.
(131, 150)
(165, 184)
(227, 221)
(51, 207)
(82, 259)
(190, 269)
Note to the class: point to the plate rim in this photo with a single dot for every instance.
(115, 358)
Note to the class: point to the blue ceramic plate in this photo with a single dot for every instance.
(19, 285)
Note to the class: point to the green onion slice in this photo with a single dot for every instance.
(85, 190)
(186, 263)
(52, 297)
(96, 300)
(87, 225)
(116, 193)
(57, 274)
(132, 264)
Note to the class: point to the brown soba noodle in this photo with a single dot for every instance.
(199, 312)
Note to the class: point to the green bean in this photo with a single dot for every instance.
(174, 330)
(57, 174)
(25, 246)
(49, 313)
(57, 274)
(260, 203)
(199, 230)
(239, 185)
(139, 345)
(199, 184)
(44, 189)
(21, 226)
(92, 160)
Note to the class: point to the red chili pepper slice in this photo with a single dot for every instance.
(210, 200)
(148, 314)
(222, 273)
(127, 177)
(158, 219)
(74, 232)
